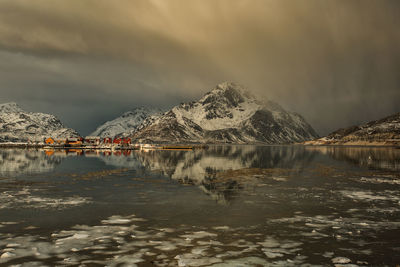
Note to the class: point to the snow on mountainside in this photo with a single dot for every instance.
(126, 123)
(227, 114)
(17, 125)
(385, 131)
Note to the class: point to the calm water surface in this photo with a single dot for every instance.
(222, 206)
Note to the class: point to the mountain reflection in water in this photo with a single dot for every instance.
(376, 158)
(220, 171)
(234, 205)
(212, 169)
(19, 161)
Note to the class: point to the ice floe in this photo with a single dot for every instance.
(127, 240)
(122, 240)
(7, 254)
(380, 180)
(341, 260)
(386, 195)
(25, 198)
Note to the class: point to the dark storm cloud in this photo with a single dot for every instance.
(335, 62)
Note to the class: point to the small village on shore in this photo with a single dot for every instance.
(95, 143)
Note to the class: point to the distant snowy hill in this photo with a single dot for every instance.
(385, 131)
(127, 123)
(17, 125)
(227, 114)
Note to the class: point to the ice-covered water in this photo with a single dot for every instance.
(222, 206)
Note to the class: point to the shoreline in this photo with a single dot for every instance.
(100, 147)
(353, 144)
(188, 146)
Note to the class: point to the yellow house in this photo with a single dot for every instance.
(74, 141)
(60, 141)
(49, 141)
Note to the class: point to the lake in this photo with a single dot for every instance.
(220, 206)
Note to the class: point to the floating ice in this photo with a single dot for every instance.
(12, 245)
(328, 254)
(116, 220)
(221, 227)
(194, 260)
(166, 246)
(269, 243)
(272, 254)
(340, 260)
(24, 198)
(243, 262)
(120, 241)
(210, 243)
(199, 250)
(368, 195)
(198, 235)
(379, 180)
(79, 236)
(6, 255)
(9, 223)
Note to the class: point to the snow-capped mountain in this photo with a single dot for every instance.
(127, 123)
(17, 125)
(227, 114)
(385, 131)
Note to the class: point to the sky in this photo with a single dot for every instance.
(336, 62)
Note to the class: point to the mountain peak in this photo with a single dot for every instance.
(228, 113)
(17, 125)
(141, 111)
(225, 85)
(230, 86)
(127, 122)
(228, 92)
(10, 107)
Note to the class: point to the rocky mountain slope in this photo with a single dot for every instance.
(385, 131)
(17, 125)
(127, 123)
(226, 114)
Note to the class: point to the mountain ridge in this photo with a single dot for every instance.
(227, 114)
(18, 125)
(384, 131)
(126, 123)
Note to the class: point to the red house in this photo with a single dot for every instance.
(107, 140)
(117, 141)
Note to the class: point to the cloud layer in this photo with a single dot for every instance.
(335, 62)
